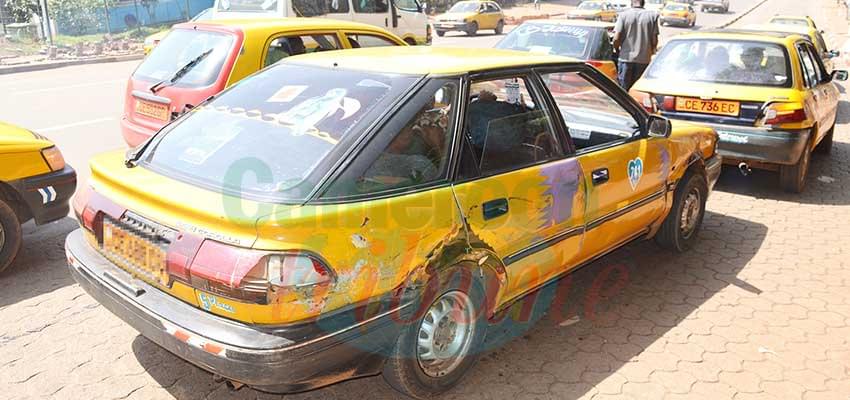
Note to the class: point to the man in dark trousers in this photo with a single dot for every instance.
(636, 38)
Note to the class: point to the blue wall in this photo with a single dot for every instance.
(164, 12)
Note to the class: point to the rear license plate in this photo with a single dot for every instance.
(133, 253)
(152, 110)
(731, 108)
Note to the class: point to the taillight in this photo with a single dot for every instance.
(296, 270)
(597, 64)
(783, 113)
(646, 100)
(54, 158)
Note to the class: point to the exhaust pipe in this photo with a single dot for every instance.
(744, 169)
(231, 384)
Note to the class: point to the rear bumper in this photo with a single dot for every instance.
(451, 26)
(674, 20)
(762, 145)
(276, 359)
(47, 195)
(134, 134)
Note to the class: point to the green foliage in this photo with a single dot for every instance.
(22, 10)
(78, 16)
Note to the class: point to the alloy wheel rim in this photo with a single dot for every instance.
(445, 334)
(690, 213)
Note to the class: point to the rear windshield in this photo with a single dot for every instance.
(722, 61)
(589, 5)
(675, 7)
(247, 5)
(789, 21)
(557, 39)
(464, 7)
(267, 135)
(180, 47)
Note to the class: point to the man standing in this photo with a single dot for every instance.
(636, 38)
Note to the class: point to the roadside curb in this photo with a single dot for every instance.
(13, 69)
(741, 15)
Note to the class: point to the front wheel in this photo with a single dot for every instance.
(500, 27)
(10, 235)
(435, 352)
(472, 29)
(792, 178)
(679, 230)
(441, 33)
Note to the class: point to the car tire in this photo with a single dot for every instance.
(679, 231)
(10, 235)
(825, 145)
(405, 370)
(792, 178)
(441, 33)
(472, 29)
(500, 27)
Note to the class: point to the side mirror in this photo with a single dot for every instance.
(833, 53)
(658, 127)
(839, 75)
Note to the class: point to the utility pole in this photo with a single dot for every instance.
(45, 18)
(106, 10)
(3, 18)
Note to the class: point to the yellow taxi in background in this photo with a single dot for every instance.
(812, 34)
(767, 94)
(595, 11)
(153, 40)
(470, 17)
(680, 14)
(370, 211)
(35, 184)
(798, 20)
(584, 40)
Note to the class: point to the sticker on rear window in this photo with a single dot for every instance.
(287, 94)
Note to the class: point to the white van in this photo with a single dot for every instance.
(405, 18)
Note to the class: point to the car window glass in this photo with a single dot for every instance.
(287, 46)
(407, 5)
(821, 43)
(182, 46)
(591, 115)
(507, 126)
(371, 6)
(813, 58)
(247, 5)
(364, 41)
(416, 154)
(315, 8)
(549, 38)
(809, 70)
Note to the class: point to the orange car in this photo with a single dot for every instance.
(585, 40)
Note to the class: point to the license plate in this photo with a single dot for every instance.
(133, 253)
(731, 108)
(152, 110)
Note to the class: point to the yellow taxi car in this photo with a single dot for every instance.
(812, 34)
(344, 214)
(199, 59)
(680, 14)
(470, 17)
(585, 40)
(798, 20)
(767, 94)
(594, 10)
(153, 40)
(35, 184)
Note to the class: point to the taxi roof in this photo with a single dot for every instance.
(423, 60)
(572, 22)
(738, 34)
(266, 26)
(796, 29)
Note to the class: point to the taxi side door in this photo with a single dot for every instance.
(625, 171)
(821, 95)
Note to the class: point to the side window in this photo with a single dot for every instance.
(315, 8)
(407, 5)
(810, 73)
(507, 126)
(592, 117)
(287, 46)
(410, 153)
(363, 41)
(821, 43)
(492, 8)
(371, 6)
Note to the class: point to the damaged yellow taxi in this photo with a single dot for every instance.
(346, 214)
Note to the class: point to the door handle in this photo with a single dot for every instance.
(599, 176)
(495, 208)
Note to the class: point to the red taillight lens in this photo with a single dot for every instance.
(597, 64)
(297, 270)
(669, 103)
(783, 113)
(646, 100)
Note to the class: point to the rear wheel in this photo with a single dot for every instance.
(825, 145)
(10, 235)
(472, 29)
(792, 178)
(679, 230)
(441, 33)
(500, 27)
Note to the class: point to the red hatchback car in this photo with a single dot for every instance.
(200, 59)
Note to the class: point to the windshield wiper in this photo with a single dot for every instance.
(180, 72)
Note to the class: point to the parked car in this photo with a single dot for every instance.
(680, 14)
(585, 40)
(721, 6)
(153, 40)
(470, 17)
(367, 211)
(595, 11)
(35, 184)
(767, 94)
(810, 33)
(799, 20)
(198, 60)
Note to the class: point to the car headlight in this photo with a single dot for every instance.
(54, 158)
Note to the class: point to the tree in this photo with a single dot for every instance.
(78, 17)
(21, 10)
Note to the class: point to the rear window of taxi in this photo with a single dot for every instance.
(676, 7)
(180, 47)
(548, 38)
(271, 136)
(732, 62)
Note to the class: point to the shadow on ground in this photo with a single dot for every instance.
(40, 265)
(628, 299)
